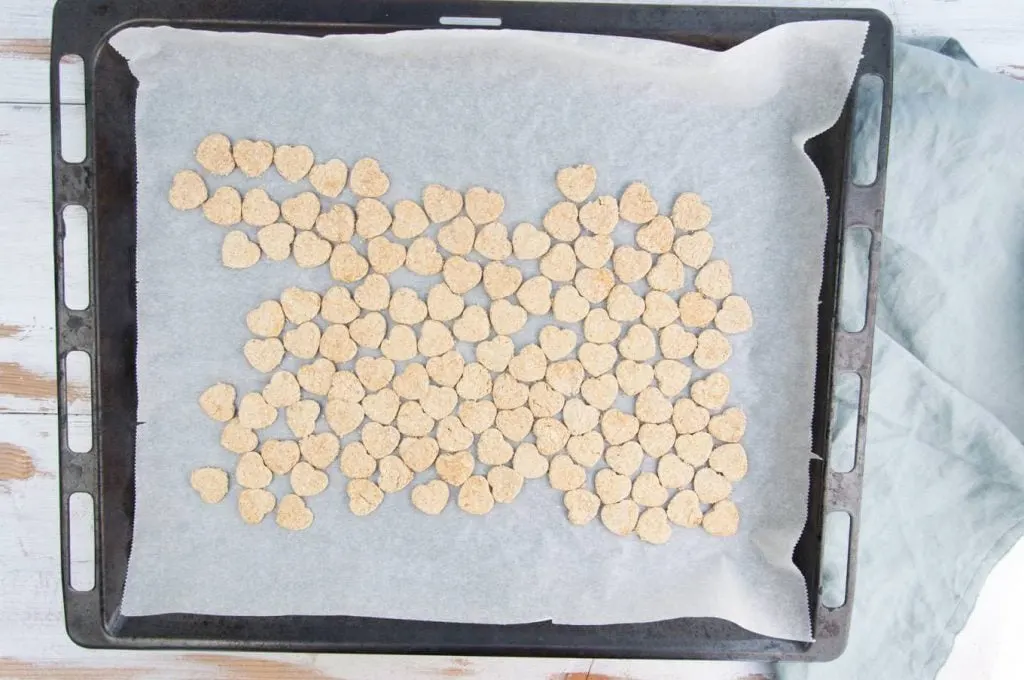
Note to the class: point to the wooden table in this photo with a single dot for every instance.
(32, 638)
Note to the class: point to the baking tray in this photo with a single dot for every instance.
(104, 184)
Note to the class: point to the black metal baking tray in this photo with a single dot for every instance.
(104, 183)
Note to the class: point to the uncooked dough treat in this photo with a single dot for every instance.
(529, 462)
(345, 386)
(631, 264)
(714, 279)
(712, 392)
(475, 496)
(657, 236)
(495, 354)
(373, 294)
(253, 158)
(689, 213)
(413, 422)
(435, 339)
(577, 182)
(559, 263)
(544, 401)
(264, 355)
(528, 242)
(501, 280)
(355, 462)
(673, 472)
(218, 402)
(458, 236)
(280, 456)
(505, 483)
(266, 320)
(684, 509)
(694, 249)
(394, 474)
(423, 258)
(620, 518)
(320, 449)
(618, 427)
(565, 376)
(557, 343)
(382, 406)
(367, 179)
(363, 496)
(656, 439)
(210, 483)
(597, 359)
(710, 486)
(380, 440)
(446, 369)
(316, 377)
(506, 392)
(329, 178)
(648, 491)
(255, 413)
(585, 447)
(580, 417)
(694, 448)
(638, 344)
(238, 252)
(529, 364)
(492, 241)
(633, 377)
(653, 526)
(723, 519)
(368, 331)
(729, 460)
(188, 190)
(516, 423)
(660, 309)
(562, 221)
(250, 471)
(668, 274)
(672, 376)
(636, 204)
(461, 274)
(728, 426)
(695, 310)
(452, 435)
(303, 341)
(612, 487)
(454, 468)
(623, 304)
(237, 438)
(734, 316)
(582, 506)
(255, 504)
(276, 240)
(600, 392)
(594, 284)
(624, 459)
(601, 215)
(483, 205)
(676, 342)
(301, 417)
(593, 251)
(347, 265)
(336, 344)
(599, 328)
(224, 208)
(535, 295)
(688, 418)
(372, 218)
(342, 416)
(310, 250)
(473, 325)
(564, 474)
(713, 349)
(569, 306)
(292, 513)
(441, 203)
(293, 162)
(477, 415)
(214, 154)
(430, 498)
(258, 209)
(385, 257)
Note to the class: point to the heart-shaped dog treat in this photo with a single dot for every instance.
(363, 496)
(210, 483)
(694, 249)
(624, 304)
(505, 483)
(382, 407)
(600, 392)
(406, 307)
(374, 372)
(684, 509)
(385, 257)
(306, 480)
(443, 304)
(690, 213)
(559, 263)
(412, 422)
(492, 242)
(266, 320)
(688, 418)
(501, 280)
(657, 439)
(264, 355)
(594, 284)
(251, 472)
(258, 209)
(423, 258)
(237, 438)
(475, 496)
(636, 204)
(477, 415)
(565, 376)
(356, 463)
(564, 474)
(280, 456)
(695, 310)
(601, 215)
(310, 250)
(458, 236)
(516, 424)
(303, 341)
(410, 220)
(730, 461)
(668, 274)
(473, 325)
(599, 328)
(329, 178)
(454, 468)
(723, 519)
(282, 390)
(713, 349)
(367, 179)
(394, 474)
(373, 294)
(631, 264)
(368, 331)
(293, 514)
(188, 190)
(347, 264)
(625, 459)
(461, 275)
(412, 383)
(529, 364)
(255, 413)
(577, 182)
(342, 416)
(618, 427)
(534, 295)
(435, 339)
(224, 208)
(652, 406)
(430, 498)
(528, 242)
(346, 387)
(676, 342)
(253, 158)
(300, 305)
(214, 154)
(694, 448)
(218, 402)
(372, 218)
(710, 486)
(293, 162)
(612, 487)
(316, 377)
(728, 426)
(441, 203)
(301, 417)
(648, 491)
(495, 354)
(734, 316)
(337, 224)
(302, 210)
(483, 205)
(507, 392)
(452, 435)
(338, 306)
(557, 343)
(712, 392)
(714, 279)
(446, 369)
(544, 401)
(585, 446)
(507, 318)
(475, 382)
(528, 461)
(400, 345)
(552, 436)
(255, 504)
(638, 344)
(419, 453)
(594, 251)
(562, 221)
(569, 306)
(672, 376)
(653, 527)
(660, 309)
(581, 506)
(657, 236)
(597, 359)
(276, 240)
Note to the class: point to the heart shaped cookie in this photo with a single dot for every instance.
(501, 280)
(562, 221)
(218, 402)
(188, 190)
(723, 519)
(695, 310)
(730, 461)
(694, 249)
(255, 413)
(581, 506)
(638, 343)
(652, 406)
(303, 341)
(276, 241)
(374, 372)
(623, 304)
(477, 415)
(599, 328)
(668, 274)
(597, 359)
(565, 376)
(658, 439)
(454, 468)
(676, 342)
(385, 257)
(631, 264)
(461, 275)
(430, 498)
(329, 178)
(507, 318)
(593, 251)
(342, 416)
(419, 453)
(266, 320)
(345, 386)
(293, 162)
(280, 456)
(516, 424)
(528, 462)
(672, 376)
(253, 158)
(653, 527)
(507, 392)
(310, 250)
(576, 182)
(565, 474)
(255, 504)
(214, 154)
(472, 325)
(552, 436)
(251, 473)
(710, 486)
(690, 213)
(441, 203)
(688, 418)
(458, 236)
(347, 265)
(712, 392)
(636, 204)
(382, 406)
(337, 224)
(483, 205)
(713, 349)
(611, 487)
(648, 491)
(660, 309)
(224, 208)
(556, 342)
(400, 345)
(258, 209)
(406, 307)
(301, 211)
(316, 377)
(210, 483)
(363, 496)
(301, 417)
(367, 179)
(380, 440)
(355, 462)
(569, 306)
(625, 459)
(618, 427)
(534, 295)
(714, 279)
(657, 236)
(545, 401)
(423, 258)
(443, 304)
(529, 364)
(492, 449)
(338, 306)
(435, 339)
(559, 263)
(475, 496)
(728, 426)
(394, 474)
(594, 284)
(601, 215)
(528, 242)
(372, 218)
(412, 383)
(446, 369)
(292, 513)
(505, 483)
(373, 294)
(684, 509)
(734, 316)
(410, 221)
(492, 241)
(580, 418)
(300, 305)
(264, 355)
(600, 392)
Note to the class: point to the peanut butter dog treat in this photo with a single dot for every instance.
(301, 417)
(495, 354)
(729, 460)
(475, 382)
(435, 339)
(618, 427)
(684, 509)
(638, 344)
(597, 359)
(569, 306)
(356, 463)
(410, 220)
(430, 498)
(188, 191)
(473, 325)
(484, 206)
(276, 241)
(577, 182)
(734, 316)
(253, 158)
(224, 208)
(694, 448)
(251, 473)
(515, 424)
(688, 418)
(633, 377)
(413, 383)
(368, 331)
(713, 349)
(528, 462)
(562, 221)
(380, 440)
(400, 345)
(711, 392)
(580, 418)
(668, 274)
(374, 372)
(292, 513)
(258, 209)
(689, 213)
(582, 506)
(528, 242)
(255, 504)
(373, 294)
(458, 236)
(625, 459)
(347, 264)
(599, 329)
(660, 310)
(631, 264)
(507, 318)
(501, 280)
(534, 295)
(652, 406)
(585, 448)
(676, 342)
(564, 474)
(600, 392)
(255, 413)
(723, 519)
(385, 257)
(299, 305)
(461, 275)
(336, 344)
(710, 486)
(544, 401)
(316, 377)
(695, 310)
(310, 250)
(612, 487)
(423, 258)
(214, 154)
(559, 263)
(714, 279)
(446, 369)
(657, 237)
(593, 251)
(280, 456)
(637, 205)
(673, 472)
(565, 376)
(238, 252)
(656, 439)
(363, 496)
(441, 203)
(372, 218)
(694, 250)
(337, 224)
(492, 241)
(266, 320)
(648, 491)
(345, 386)
(210, 483)
(506, 392)
(728, 426)
(342, 416)
(477, 415)
(475, 496)
(551, 435)
(443, 304)
(672, 376)
(594, 284)
(237, 438)
(367, 179)
(264, 355)
(329, 178)
(218, 402)
(452, 435)
(304, 341)
(419, 453)
(293, 162)
(455, 468)
(601, 215)
(557, 343)
(505, 483)
(624, 304)
(529, 364)
(394, 474)
(653, 526)
(620, 518)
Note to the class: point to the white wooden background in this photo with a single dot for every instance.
(32, 639)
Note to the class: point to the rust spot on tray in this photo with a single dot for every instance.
(10, 330)
(26, 48)
(18, 381)
(15, 463)
(231, 667)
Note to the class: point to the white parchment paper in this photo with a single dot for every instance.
(502, 109)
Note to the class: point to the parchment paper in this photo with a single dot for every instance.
(502, 109)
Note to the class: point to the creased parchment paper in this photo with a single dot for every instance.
(501, 109)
